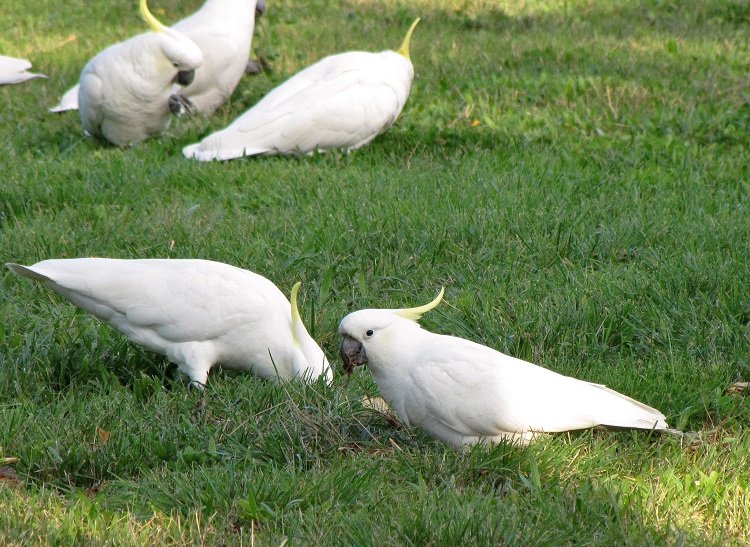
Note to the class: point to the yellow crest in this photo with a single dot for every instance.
(295, 310)
(415, 313)
(404, 50)
(155, 25)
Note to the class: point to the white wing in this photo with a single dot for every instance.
(174, 300)
(473, 391)
(15, 71)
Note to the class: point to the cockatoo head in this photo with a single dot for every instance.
(374, 336)
(308, 359)
(179, 50)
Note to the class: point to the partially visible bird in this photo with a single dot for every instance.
(223, 30)
(198, 313)
(69, 100)
(343, 101)
(126, 92)
(15, 71)
(461, 392)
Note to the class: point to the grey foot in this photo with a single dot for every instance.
(253, 67)
(179, 105)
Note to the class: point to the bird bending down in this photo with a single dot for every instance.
(343, 101)
(15, 71)
(127, 92)
(223, 30)
(461, 392)
(198, 313)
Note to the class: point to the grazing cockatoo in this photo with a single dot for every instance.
(15, 71)
(223, 30)
(127, 92)
(461, 392)
(198, 313)
(343, 101)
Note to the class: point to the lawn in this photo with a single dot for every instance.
(575, 173)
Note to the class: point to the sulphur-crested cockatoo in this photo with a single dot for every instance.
(15, 71)
(196, 312)
(127, 92)
(343, 101)
(461, 392)
(223, 30)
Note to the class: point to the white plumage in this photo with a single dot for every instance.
(15, 71)
(127, 92)
(343, 101)
(196, 312)
(461, 392)
(223, 30)
(69, 100)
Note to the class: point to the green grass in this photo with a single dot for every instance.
(575, 173)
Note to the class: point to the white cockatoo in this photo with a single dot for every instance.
(223, 30)
(198, 313)
(461, 392)
(15, 71)
(343, 101)
(127, 92)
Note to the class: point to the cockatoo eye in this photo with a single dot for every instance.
(369, 333)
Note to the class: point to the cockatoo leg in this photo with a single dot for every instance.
(194, 359)
(179, 105)
(198, 376)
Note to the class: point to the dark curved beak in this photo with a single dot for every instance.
(260, 8)
(185, 77)
(352, 354)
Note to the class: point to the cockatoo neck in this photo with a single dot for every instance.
(309, 359)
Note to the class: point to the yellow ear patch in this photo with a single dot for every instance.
(415, 313)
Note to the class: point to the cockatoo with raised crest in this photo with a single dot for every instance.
(343, 101)
(198, 313)
(461, 392)
(127, 93)
(15, 71)
(223, 30)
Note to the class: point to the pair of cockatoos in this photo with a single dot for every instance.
(200, 313)
(461, 392)
(196, 312)
(15, 71)
(129, 91)
(223, 30)
(343, 101)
